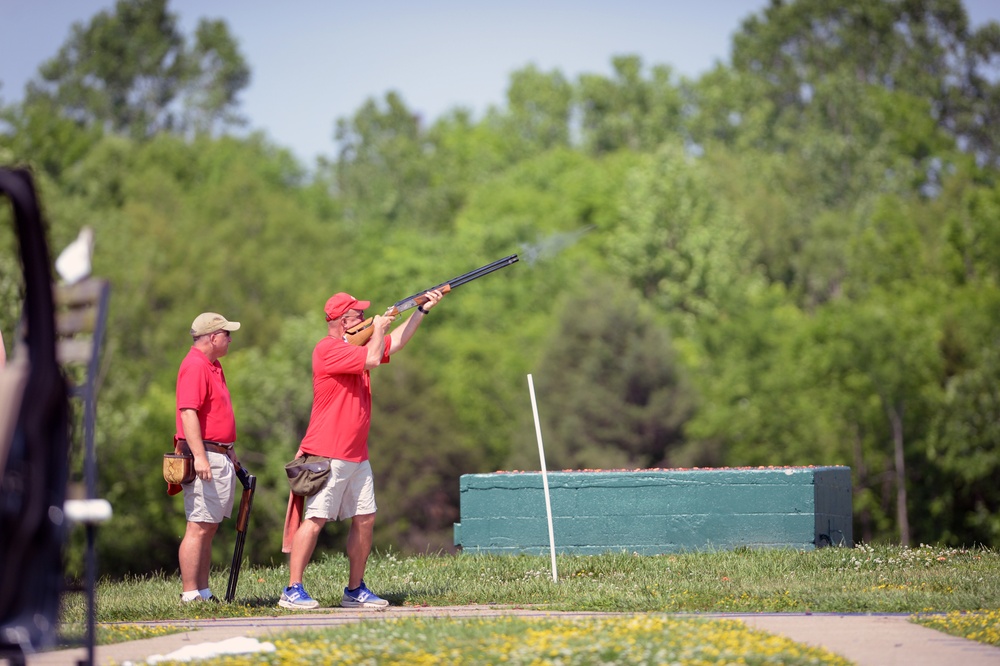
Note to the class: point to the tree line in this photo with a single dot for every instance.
(790, 260)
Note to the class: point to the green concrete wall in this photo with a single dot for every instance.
(657, 511)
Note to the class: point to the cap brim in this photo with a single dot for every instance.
(231, 326)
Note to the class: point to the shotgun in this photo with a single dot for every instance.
(249, 482)
(360, 333)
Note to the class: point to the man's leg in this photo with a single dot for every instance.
(303, 545)
(195, 555)
(359, 547)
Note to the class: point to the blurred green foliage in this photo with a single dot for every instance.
(793, 260)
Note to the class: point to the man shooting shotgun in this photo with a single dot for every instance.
(338, 435)
(361, 333)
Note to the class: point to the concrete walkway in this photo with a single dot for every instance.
(876, 640)
(867, 640)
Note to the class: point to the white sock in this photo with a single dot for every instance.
(206, 593)
(190, 595)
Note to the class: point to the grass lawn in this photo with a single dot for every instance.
(954, 590)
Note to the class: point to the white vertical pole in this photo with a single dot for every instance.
(545, 479)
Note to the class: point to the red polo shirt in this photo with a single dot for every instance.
(342, 401)
(201, 385)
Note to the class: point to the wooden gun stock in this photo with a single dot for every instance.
(244, 515)
(360, 334)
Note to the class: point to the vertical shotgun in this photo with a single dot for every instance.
(249, 482)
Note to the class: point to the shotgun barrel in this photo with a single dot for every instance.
(414, 300)
(361, 333)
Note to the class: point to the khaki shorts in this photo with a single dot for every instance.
(348, 491)
(211, 502)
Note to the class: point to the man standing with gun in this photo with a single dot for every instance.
(206, 428)
(338, 430)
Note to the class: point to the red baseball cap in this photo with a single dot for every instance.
(340, 303)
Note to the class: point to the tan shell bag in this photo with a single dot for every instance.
(178, 468)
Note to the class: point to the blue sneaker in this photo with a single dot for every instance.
(296, 598)
(362, 598)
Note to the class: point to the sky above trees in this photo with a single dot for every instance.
(320, 61)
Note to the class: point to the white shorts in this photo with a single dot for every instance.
(211, 502)
(348, 491)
